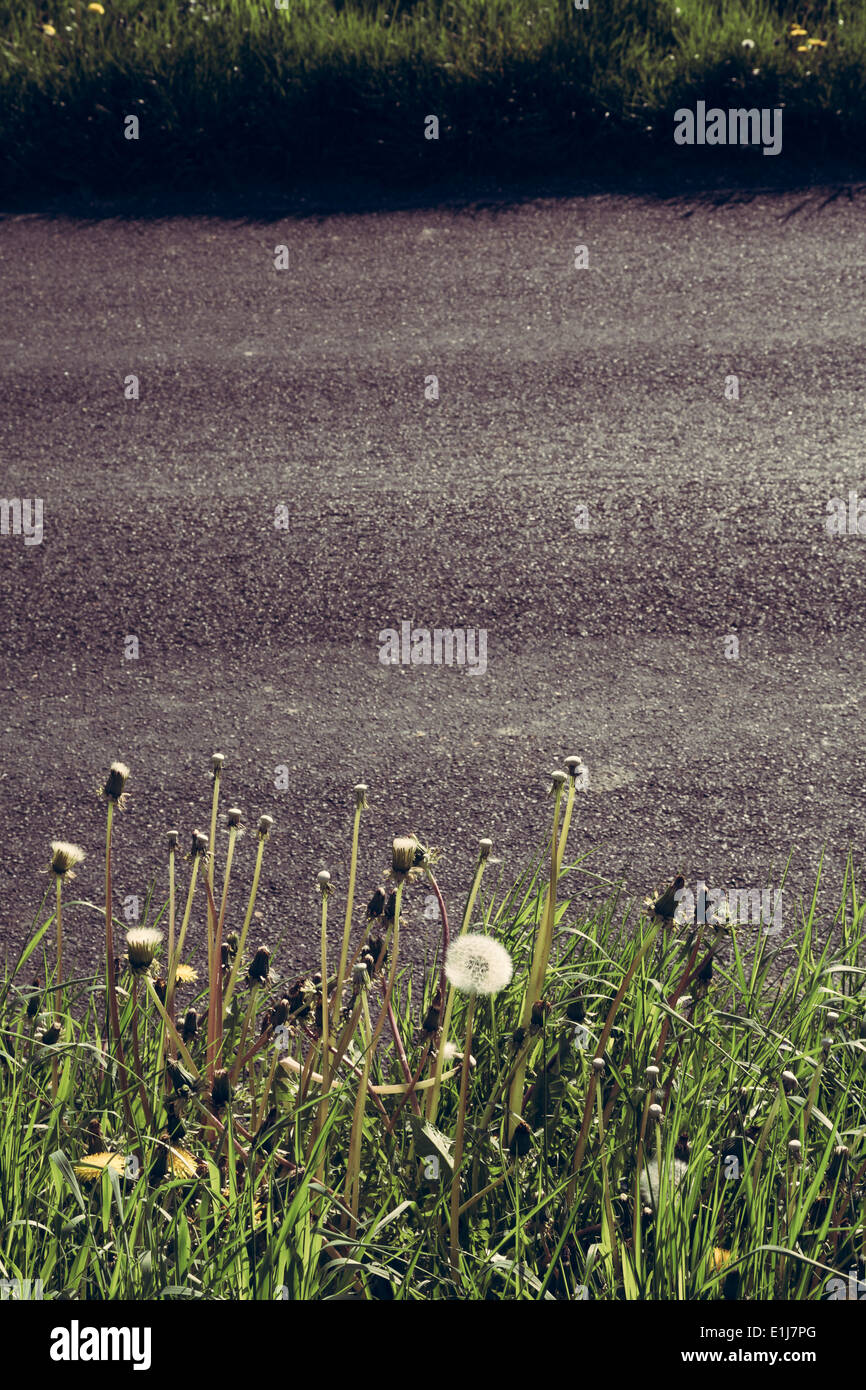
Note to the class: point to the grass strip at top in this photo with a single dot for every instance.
(234, 91)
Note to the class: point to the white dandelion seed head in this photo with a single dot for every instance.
(477, 964)
(650, 1180)
(64, 858)
(141, 946)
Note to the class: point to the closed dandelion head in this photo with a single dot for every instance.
(403, 855)
(323, 883)
(233, 821)
(477, 964)
(115, 783)
(198, 849)
(260, 967)
(141, 947)
(217, 763)
(265, 827)
(172, 836)
(360, 794)
(64, 858)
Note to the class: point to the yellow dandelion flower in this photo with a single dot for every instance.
(802, 48)
(185, 975)
(182, 1164)
(798, 32)
(49, 30)
(817, 43)
(719, 1259)
(96, 9)
(92, 1167)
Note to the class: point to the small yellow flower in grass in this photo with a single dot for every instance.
(182, 1164)
(477, 964)
(64, 858)
(719, 1259)
(90, 1169)
(49, 31)
(185, 974)
(141, 944)
(96, 9)
(797, 31)
(816, 43)
(802, 48)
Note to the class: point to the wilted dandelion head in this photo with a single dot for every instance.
(64, 858)
(115, 783)
(141, 945)
(477, 964)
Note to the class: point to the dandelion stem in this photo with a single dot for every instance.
(230, 987)
(350, 903)
(111, 982)
(458, 1140)
(538, 968)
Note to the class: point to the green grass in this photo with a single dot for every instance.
(234, 91)
(263, 1208)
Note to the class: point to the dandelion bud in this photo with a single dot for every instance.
(521, 1141)
(540, 1009)
(217, 762)
(33, 1001)
(557, 782)
(576, 1011)
(51, 1033)
(64, 858)
(141, 944)
(484, 848)
(790, 1082)
(160, 988)
(832, 1018)
(172, 836)
(403, 854)
(360, 978)
(182, 1080)
(390, 907)
(233, 816)
(323, 883)
(376, 905)
(838, 1165)
(115, 782)
(652, 1076)
(795, 1149)
(360, 793)
(433, 1017)
(826, 1044)
(655, 1114)
(190, 1025)
(221, 1091)
(265, 826)
(260, 967)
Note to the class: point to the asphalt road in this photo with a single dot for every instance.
(559, 388)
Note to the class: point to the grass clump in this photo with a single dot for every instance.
(678, 1114)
